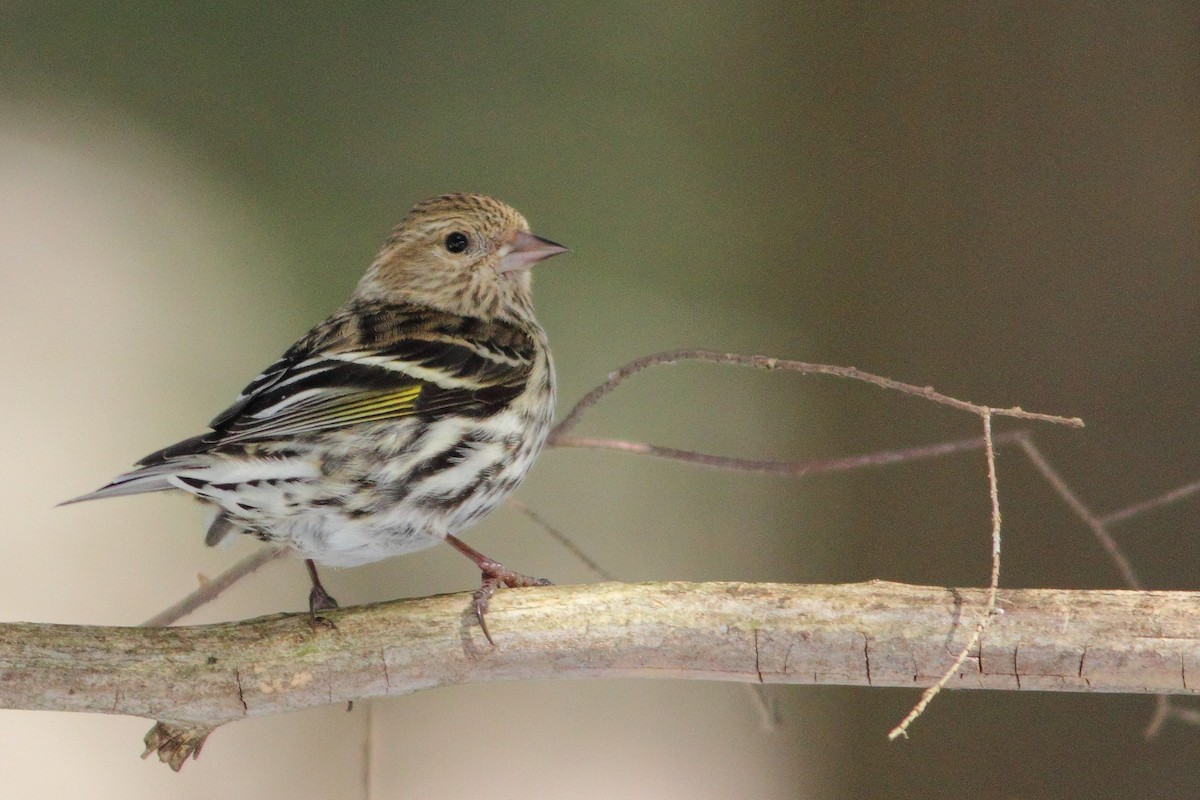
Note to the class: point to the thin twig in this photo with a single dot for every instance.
(993, 586)
(764, 362)
(789, 468)
(1151, 504)
(618, 377)
(562, 539)
(768, 707)
(1164, 708)
(1188, 715)
(1083, 512)
(209, 590)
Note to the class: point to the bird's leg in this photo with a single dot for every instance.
(495, 575)
(318, 598)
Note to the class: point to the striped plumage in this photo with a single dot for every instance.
(407, 415)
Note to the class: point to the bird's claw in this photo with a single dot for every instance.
(320, 600)
(497, 576)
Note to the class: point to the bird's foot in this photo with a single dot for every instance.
(318, 599)
(497, 576)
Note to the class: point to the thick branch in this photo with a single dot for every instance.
(880, 634)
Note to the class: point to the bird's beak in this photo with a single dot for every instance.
(525, 250)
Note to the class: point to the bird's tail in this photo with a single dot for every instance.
(147, 479)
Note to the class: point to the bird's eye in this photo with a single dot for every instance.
(457, 242)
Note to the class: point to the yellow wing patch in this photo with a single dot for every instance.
(331, 412)
(374, 407)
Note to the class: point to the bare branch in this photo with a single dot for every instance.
(793, 469)
(562, 539)
(209, 589)
(618, 377)
(1084, 513)
(1166, 499)
(194, 679)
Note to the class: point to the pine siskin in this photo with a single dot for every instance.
(403, 418)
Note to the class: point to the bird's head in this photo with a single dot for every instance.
(462, 253)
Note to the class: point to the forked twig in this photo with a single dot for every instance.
(619, 376)
(1083, 512)
(1164, 707)
(986, 413)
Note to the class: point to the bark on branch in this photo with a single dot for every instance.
(193, 679)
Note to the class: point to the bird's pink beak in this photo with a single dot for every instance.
(525, 250)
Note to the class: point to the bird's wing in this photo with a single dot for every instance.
(410, 362)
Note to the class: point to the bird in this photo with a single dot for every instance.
(403, 418)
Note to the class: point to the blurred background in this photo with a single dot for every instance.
(998, 200)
